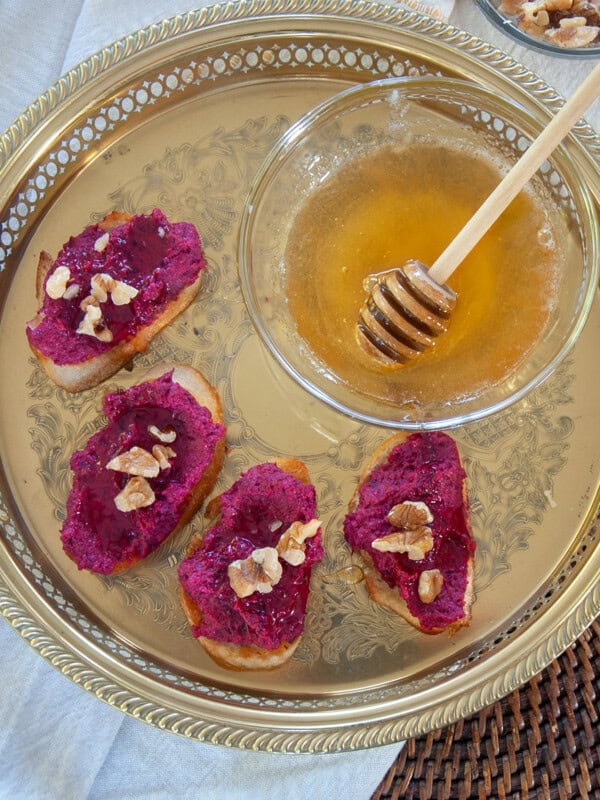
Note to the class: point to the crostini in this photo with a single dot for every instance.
(245, 581)
(144, 474)
(109, 291)
(409, 519)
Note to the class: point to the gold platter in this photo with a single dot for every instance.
(179, 116)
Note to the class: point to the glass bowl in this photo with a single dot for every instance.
(512, 26)
(310, 233)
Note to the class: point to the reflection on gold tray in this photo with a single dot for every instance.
(180, 117)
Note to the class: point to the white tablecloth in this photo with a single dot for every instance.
(56, 741)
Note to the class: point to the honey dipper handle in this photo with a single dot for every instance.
(517, 177)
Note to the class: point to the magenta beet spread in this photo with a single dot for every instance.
(96, 535)
(426, 468)
(148, 253)
(262, 498)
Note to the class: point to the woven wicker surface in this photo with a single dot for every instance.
(542, 741)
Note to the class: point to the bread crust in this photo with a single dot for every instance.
(86, 374)
(379, 591)
(205, 395)
(232, 656)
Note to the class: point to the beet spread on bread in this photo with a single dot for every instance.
(409, 519)
(245, 582)
(146, 472)
(111, 289)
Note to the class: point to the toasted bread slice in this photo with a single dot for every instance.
(89, 372)
(227, 654)
(74, 532)
(379, 589)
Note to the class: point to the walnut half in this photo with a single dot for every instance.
(137, 493)
(257, 573)
(409, 515)
(135, 461)
(414, 543)
(291, 546)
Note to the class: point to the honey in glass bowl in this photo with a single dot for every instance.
(396, 204)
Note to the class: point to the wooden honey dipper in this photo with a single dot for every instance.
(408, 307)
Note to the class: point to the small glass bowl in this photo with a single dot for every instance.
(510, 26)
(351, 125)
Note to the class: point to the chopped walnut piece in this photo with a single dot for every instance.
(590, 9)
(93, 323)
(542, 19)
(137, 493)
(120, 292)
(572, 22)
(101, 243)
(168, 435)
(414, 543)
(100, 286)
(291, 546)
(573, 32)
(257, 573)
(162, 454)
(430, 585)
(88, 301)
(409, 515)
(56, 285)
(533, 8)
(556, 5)
(135, 461)
(71, 292)
(564, 23)
(534, 18)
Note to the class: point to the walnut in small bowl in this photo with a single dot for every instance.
(562, 27)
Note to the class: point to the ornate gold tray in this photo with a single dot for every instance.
(179, 116)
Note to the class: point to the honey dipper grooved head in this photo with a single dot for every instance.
(403, 314)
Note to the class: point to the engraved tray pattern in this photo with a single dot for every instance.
(180, 115)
